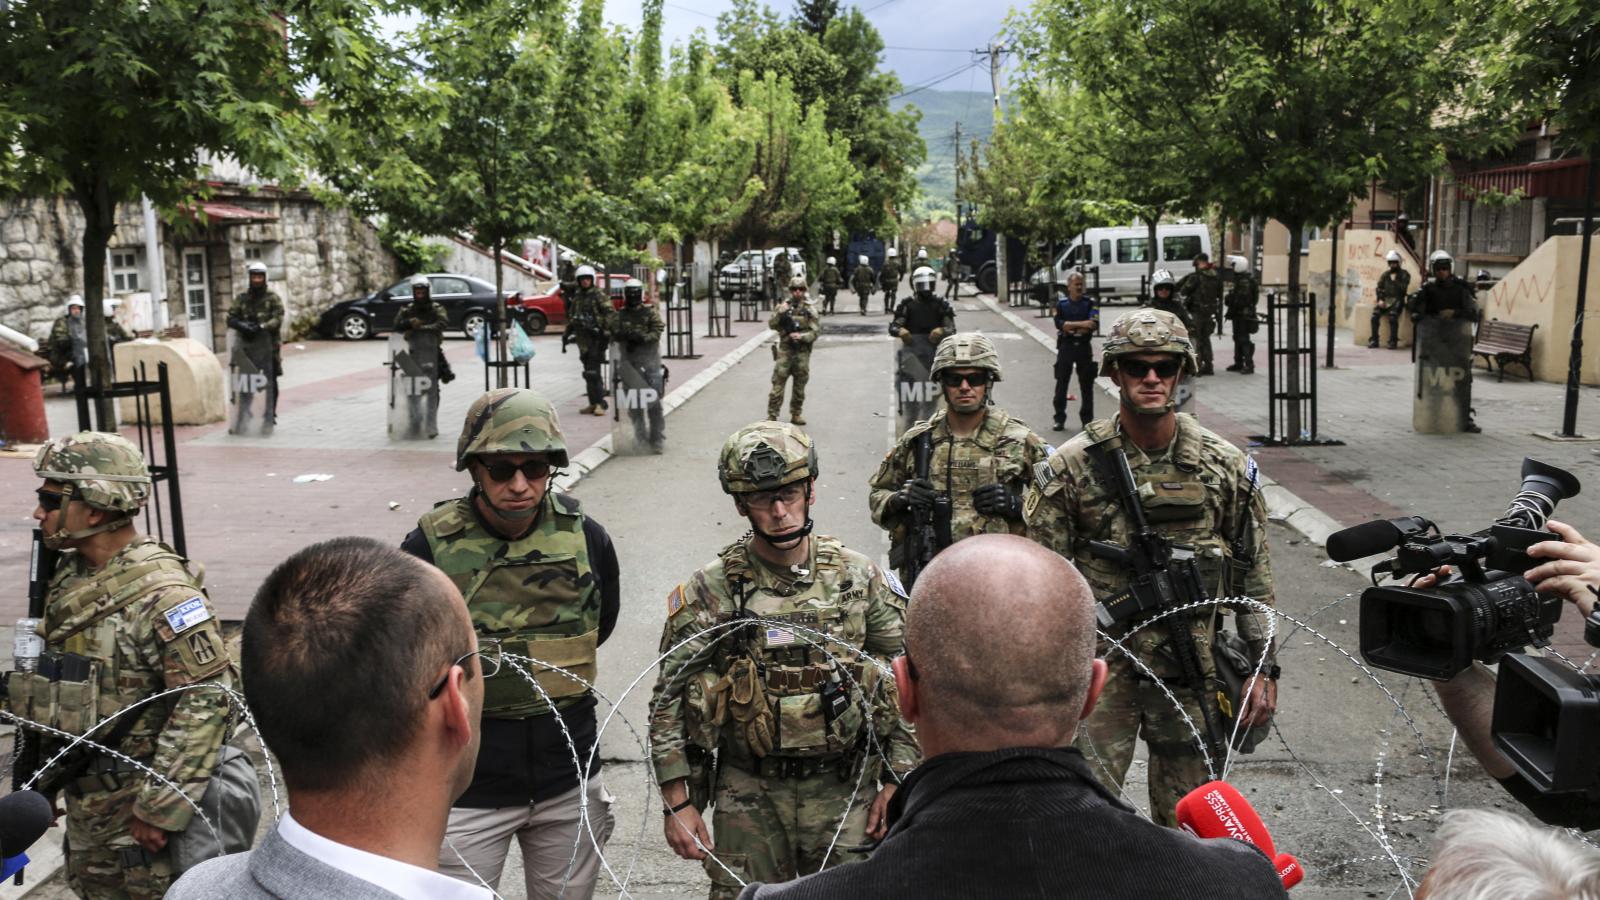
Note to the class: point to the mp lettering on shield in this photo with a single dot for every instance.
(249, 382)
(919, 391)
(416, 385)
(637, 398)
(1443, 376)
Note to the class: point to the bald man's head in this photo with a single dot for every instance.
(1001, 640)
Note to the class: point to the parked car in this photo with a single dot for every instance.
(540, 312)
(469, 304)
(1123, 254)
(759, 259)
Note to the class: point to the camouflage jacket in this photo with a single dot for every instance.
(1392, 287)
(265, 310)
(805, 317)
(115, 333)
(592, 319)
(68, 344)
(1201, 290)
(1003, 451)
(830, 277)
(639, 325)
(889, 276)
(166, 636)
(1243, 298)
(863, 280)
(1201, 492)
(421, 316)
(840, 593)
(782, 269)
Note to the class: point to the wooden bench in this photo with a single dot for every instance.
(1505, 342)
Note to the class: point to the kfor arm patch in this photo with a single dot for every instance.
(893, 580)
(187, 614)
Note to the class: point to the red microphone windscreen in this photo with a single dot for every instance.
(1289, 870)
(1217, 810)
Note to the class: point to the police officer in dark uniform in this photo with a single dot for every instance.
(1077, 317)
(1444, 296)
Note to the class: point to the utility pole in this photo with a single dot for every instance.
(1002, 269)
(958, 174)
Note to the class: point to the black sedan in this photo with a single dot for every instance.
(469, 304)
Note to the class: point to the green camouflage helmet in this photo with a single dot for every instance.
(103, 470)
(765, 456)
(511, 420)
(965, 351)
(1148, 331)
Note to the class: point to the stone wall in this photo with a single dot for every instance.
(40, 245)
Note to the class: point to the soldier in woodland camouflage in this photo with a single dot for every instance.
(795, 321)
(540, 577)
(982, 455)
(590, 322)
(1196, 489)
(1394, 285)
(126, 614)
(1201, 292)
(774, 667)
(862, 281)
(830, 279)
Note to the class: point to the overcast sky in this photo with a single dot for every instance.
(943, 33)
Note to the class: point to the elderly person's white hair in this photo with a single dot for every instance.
(1482, 854)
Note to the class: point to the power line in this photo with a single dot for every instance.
(688, 10)
(939, 80)
(930, 49)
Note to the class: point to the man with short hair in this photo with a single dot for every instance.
(541, 577)
(999, 671)
(1076, 319)
(363, 673)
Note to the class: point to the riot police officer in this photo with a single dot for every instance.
(862, 281)
(1446, 297)
(1197, 490)
(889, 279)
(540, 578)
(639, 338)
(1163, 296)
(125, 620)
(1393, 287)
(256, 317)
(590, 324)
(1243, 297)
(830, 279)
(773, 663)
(1201, 291)
(68, 345)
(921, 321)
(979, 457)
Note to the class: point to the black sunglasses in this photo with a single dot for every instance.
(50, 501)
(1139, 368)
(533, 469)
(973, 379)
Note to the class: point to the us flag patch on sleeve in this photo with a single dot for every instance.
(1043, 474)
(1252, 471)
(893, 580)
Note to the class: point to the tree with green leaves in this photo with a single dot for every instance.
(107, 102)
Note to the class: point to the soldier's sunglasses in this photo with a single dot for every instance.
(533, 470)
(49, 501)
(973, 379)
(1139, 368)
(489, 658)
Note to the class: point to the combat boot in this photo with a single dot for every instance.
(1373, 344)
(796, 418)
(1235, 367)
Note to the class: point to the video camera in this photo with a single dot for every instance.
(1484, 610)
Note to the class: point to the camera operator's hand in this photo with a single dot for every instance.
(1573, 571)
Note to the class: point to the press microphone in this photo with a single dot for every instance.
(1372, 538)
(1217, 810)
(24, 818)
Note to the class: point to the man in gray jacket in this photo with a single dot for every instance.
(366, 680)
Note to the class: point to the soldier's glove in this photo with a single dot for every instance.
(917, 497)
(997, 500)
(936, 336)
(904, 335)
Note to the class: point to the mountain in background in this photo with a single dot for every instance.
(941, 110)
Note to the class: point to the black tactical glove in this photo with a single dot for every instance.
(917, 496)
(996, 500)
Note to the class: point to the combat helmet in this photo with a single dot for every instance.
(923, 279)
(966, 351)
(831, 261)
(764, 456)
(1162, 277)
(1148, 331)
(511, 420)
(1440, 259)
(798, 281)
(1392, 256)
(104, 471)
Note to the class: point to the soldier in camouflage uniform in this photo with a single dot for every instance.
(1242, 301)
(540, 577)
(1391, 291)
(1201, 292)
(115, 333)
(782, 270)
(639, 334)
(830, 279)
(981, 456)
(1200, 491)
(590, 323)
(124, 611)
(799, 735)
(952, 274)
(862, 281)
(67, 348)
(796, 323)
(889, 279)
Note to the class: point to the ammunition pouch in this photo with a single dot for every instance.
(702, 782)
(63, 693)
(507, 694)
(818, 710)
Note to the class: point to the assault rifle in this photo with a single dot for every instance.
(1165, 575)
(41, 568)
(930, 527)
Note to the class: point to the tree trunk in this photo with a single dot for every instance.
(499, 311)
(100, 222)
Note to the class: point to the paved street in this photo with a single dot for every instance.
(1360, 766)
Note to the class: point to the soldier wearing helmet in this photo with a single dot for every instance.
(1201, 292)
(921, 321)
(1243, 298)
(540, 578)
(830, 279)
(782, 271)
(1197, 490)
(774, 666)
(591, 321)
(795, 321)
(421, 324)
(952, 274)
(862, 281)
(1393, 287)
(889, 278)
(127, 616)
(1444, 298)
(1444, 295)
(979, 458)
(67, 348)
(639, 368)
(1163, 296)
(257, 314)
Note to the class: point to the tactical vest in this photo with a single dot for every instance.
(959, 466)
(795, 673)
(921, 316)
(79, 682)
(537, 595)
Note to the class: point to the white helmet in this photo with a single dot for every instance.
(257, 266)
(584, 271)
(74, 300)
(1438, 257)
(831, 261)
(862, 262)
(1240, 265)
(922, 253)
(420, 281)
(568, 256)
(109, 305)
(893, 252)
(923, 278)
(1393, 256)
(1162, 277)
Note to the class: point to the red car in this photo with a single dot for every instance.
(538, 313)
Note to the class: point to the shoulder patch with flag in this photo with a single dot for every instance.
(779, 637)
(1252, 472)
(187, 614)
(893, 581)
(675, 601)
(1043, 474)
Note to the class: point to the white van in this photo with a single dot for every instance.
(1123, 255)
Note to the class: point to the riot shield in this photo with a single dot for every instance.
(1443, 399)
(414, 385)
(638, 384)
(916, 394)
(252, 383)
